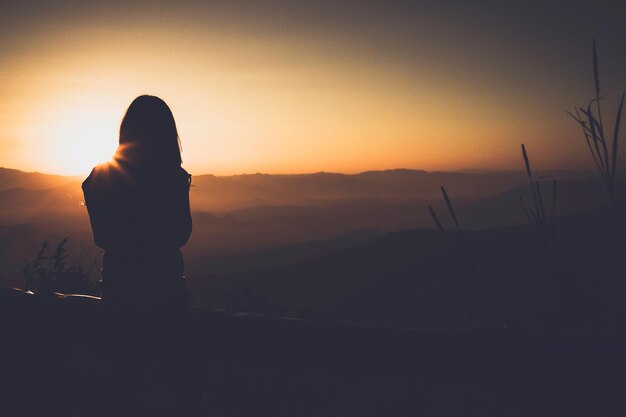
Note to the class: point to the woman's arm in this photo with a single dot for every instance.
(183, 223)
(97, 210)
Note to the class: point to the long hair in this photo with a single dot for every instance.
(148, 133)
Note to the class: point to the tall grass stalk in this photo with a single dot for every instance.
(461, 236)
(603, 146)
(476, 284)
(453, 293)
(537, 216)
(545, 225)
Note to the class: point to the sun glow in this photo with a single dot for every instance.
(273, 104)
(80, 136)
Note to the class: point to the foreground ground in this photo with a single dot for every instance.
(261, 365)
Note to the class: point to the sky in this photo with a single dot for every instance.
(303, 86)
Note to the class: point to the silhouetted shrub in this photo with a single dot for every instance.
(47, 274)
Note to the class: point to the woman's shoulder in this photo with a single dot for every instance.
(114, 174)
(102, 175)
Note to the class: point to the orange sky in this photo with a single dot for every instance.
(250, 95)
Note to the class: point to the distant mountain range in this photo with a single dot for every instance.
(231, 192)
(416, 278)
(224, 193)
(244, 222)
(13, 178)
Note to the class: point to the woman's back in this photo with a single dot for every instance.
(141, 217)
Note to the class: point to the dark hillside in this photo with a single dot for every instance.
(409, 278)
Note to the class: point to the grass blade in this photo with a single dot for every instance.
(530, 181)
(553, 209)
(596, 80)
(526, 162)
(436, 220)
(596, 72)
(616, 139)
(468, 253)
(451, 209)
(595, 129)
(588, 139)
(542, 211)
(529, 213)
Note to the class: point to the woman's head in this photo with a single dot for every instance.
(148, 133)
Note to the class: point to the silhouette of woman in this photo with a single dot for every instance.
(138, 205)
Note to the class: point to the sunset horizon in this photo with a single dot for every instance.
(258, 91)
(520, 169)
